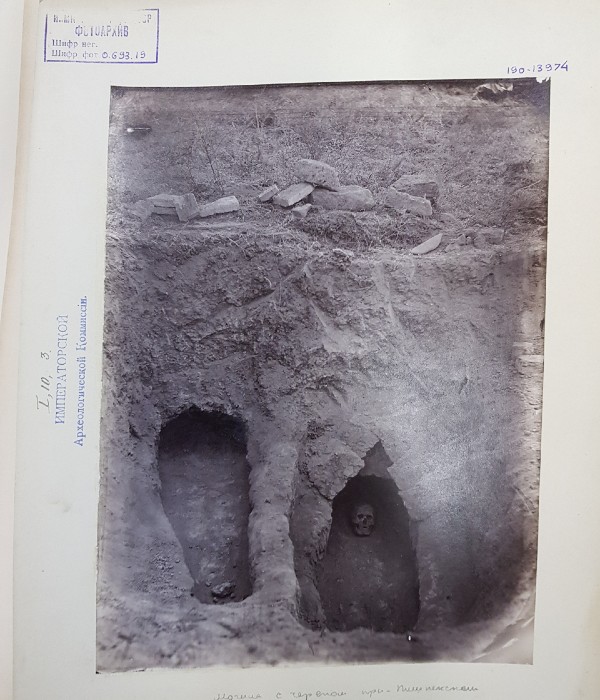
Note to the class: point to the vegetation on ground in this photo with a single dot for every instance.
(490, 158)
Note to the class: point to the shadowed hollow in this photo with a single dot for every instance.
(204, 490)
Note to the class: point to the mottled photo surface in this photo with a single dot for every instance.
(322, 374)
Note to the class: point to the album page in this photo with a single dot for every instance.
(307, 374)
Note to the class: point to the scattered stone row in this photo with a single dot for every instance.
(319, 185)
(184, 206)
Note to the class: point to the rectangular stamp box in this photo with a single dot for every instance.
(129, 37)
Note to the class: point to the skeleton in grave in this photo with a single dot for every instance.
(363, 519)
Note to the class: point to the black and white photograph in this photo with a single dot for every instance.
(322, 373)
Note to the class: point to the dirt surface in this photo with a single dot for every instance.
(324, 340)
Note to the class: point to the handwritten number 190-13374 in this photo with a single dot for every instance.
(537, 68)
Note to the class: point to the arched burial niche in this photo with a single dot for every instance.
(204, 489)
(368, 575)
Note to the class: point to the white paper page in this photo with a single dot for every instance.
(214, 44)
(11, 20)
(11, 16)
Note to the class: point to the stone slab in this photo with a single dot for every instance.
(187, 207)
(224, 205)
(268, 194)
(418, 186)
(293, 194)
(402, 201)
(165, 211)
(301, 211)
(317, 173)
(164, 200)
(428, 245)
(347, 198)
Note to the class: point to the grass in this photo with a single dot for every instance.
(490, 158)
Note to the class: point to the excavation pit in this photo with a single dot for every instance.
(329, 337)
(368, 575)
(205, 494)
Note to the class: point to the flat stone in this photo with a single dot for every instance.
(225, 205)
(428, 245)
(187, 207)
(301, 211)
(462, 239)
(293, 194)
(402, 201)
(268, 194)
(142, 209)
(492, 91)
(165, 211)
(347, 198)
(317, 173)
(529, 363)
(418, 186)
(164, 200)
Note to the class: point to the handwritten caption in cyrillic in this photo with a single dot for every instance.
(369, 693)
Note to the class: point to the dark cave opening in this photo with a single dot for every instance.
(204, 478)
(368, 576)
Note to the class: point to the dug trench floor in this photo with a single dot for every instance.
(319, 353)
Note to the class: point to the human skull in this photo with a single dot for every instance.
(363, 519)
